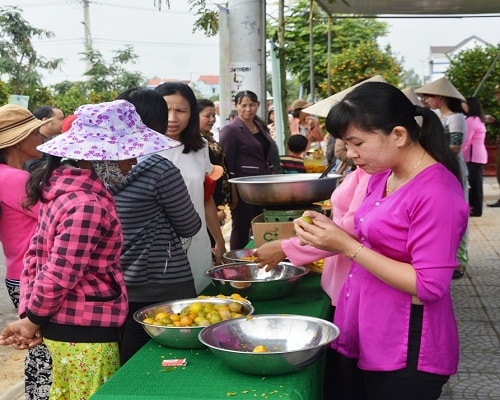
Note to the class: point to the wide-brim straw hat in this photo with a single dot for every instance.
(322, 107)
(300, 104)
(16, 124)
(440, 87)
(107, 131)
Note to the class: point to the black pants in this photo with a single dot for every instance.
(241, 223)
(349, 382)
(133, 335)
(475, 187)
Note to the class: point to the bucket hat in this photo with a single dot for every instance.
(107, 131)
(440, 87)
(322, 107)
(16, 123)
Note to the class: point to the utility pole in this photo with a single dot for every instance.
(86, 27)
(247, 51)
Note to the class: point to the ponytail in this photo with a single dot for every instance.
(433, 139)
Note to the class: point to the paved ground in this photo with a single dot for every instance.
(477, 305)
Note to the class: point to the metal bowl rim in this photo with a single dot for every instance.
(282, 178)
(136, 319)
(267, 316)
(304, 271)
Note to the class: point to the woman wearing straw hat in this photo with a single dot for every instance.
(19, 137)
(304, 124)
(442, 96)
(73, 292)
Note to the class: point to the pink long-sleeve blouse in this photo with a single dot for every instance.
(473, 148)
(421, 224)
(345, 201)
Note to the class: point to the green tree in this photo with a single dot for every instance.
(346, 34)
(111, 76)
(68, 96)
(19, 62)
(359, 62)
(411, 79)
(467, 70)
(106, 80)
(4, 93)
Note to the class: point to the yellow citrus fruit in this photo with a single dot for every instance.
(260, 349)
(160, 315)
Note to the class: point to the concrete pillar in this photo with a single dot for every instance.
(245, 69)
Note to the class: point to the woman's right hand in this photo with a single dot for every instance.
(269, 255)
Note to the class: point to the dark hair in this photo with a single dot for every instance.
(296, 112)
(455, 105)
(204, 103)
(38, 179)
(190, 137)
(375, 106)
(252, 96)
(232, 114)
(43, 112)
(475, 108)
(297, 143)
(269, 120)
(245, 93)
(150, 106)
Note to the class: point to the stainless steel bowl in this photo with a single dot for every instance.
(256, 283)
(293, 342)
(285, 189)
(240, 255)
(179, 337)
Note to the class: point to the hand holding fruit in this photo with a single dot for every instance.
(316, 229)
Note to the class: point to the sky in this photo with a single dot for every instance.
(167, 47)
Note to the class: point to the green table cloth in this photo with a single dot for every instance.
(205, 377)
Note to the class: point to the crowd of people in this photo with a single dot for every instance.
(120, 205)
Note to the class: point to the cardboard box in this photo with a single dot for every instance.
(268, 231)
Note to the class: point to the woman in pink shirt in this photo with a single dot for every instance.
(19, 136)
(475, 153)
(398, 334)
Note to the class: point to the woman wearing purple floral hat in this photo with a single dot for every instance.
(73, 294)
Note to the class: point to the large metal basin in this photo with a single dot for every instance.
(285, 189)
(293, 342)
(256, 283)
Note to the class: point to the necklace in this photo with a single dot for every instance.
(391, 187)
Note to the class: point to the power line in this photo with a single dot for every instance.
(58, 42)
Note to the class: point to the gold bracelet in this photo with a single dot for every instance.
(353, 255)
